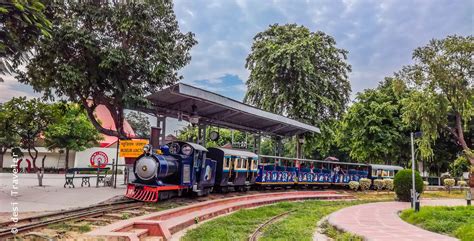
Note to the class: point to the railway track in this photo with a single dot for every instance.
(30, 223)
(256, 234)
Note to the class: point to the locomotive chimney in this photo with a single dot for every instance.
(155, 138)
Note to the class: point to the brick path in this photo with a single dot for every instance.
(380, 221)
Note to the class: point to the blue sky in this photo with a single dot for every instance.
(379, 35)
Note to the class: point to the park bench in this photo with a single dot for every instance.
(85, 173)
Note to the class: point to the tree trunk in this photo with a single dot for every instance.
(67, 159)
(40, 172)
(2, 152)
(460, 138)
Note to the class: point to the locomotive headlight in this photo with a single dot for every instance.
(147, 149)
(187, 150)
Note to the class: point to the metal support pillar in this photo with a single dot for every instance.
(256, 144)
(161, 123)
(299, 146)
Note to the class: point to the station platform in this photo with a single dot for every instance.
(52, 196)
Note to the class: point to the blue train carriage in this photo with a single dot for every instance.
(276, 171)
(284, 171)
(384, 171)
(176, 168)
(236, 169)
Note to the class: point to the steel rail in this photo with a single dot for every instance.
(63, 216)
(257, 231)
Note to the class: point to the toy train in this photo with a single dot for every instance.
(181, 168)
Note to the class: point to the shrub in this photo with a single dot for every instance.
(460, 165)
(388, 184)
(444, 176)
(354, 185)
(462, 183)
(403, 183)
(365, 184)
(449, 183)
(378, 184)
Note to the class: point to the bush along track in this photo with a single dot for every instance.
(297, 225)
(454, 221)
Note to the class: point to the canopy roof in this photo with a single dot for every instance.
(217, 110)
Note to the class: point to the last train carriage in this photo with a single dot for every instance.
(174, 169)
(284, 171)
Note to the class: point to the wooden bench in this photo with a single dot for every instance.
(85, 173)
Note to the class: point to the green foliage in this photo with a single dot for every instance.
(365, 184)
(298, 225)
(388, 184)
(456, 221)
(338, 235)
(449, 183)
(354, 185)
(373, 129)
(8, 134)
(111, 54)
(378, 184)
(441, 79)
(23, 23)
(460, 165)
(84, 228)
(190, 133)
(299, 73)
(403, 184)
(139, 123)
(72, 130)
(32, 117)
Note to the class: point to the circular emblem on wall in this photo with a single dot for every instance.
(99, 157)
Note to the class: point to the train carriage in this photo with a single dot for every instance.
(236, 169)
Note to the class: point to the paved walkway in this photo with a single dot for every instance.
(380, 221)
(52, 196)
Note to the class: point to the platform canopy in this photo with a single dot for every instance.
(186, 102)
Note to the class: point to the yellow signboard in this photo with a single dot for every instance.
(132, 148)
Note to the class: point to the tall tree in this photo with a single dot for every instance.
(443, 87)
(299, 74)
(8, 134)
(139, 123)
(72, 131)
(22, 23)
(109, 53)
(373, 129)
(32, 118)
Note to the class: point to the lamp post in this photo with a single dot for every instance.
(415, 202)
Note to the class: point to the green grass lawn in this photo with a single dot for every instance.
(298, 225)
(455, 221)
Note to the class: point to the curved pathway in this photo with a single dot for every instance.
(380, 221)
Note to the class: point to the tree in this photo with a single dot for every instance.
(109, 53)
(298, 73)
(459, 166)
(23, 23)
(72, 131)
(8, 135)
(190, 133)
(139, 123)
(442, 83)
(373, 129)
(32, 119)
